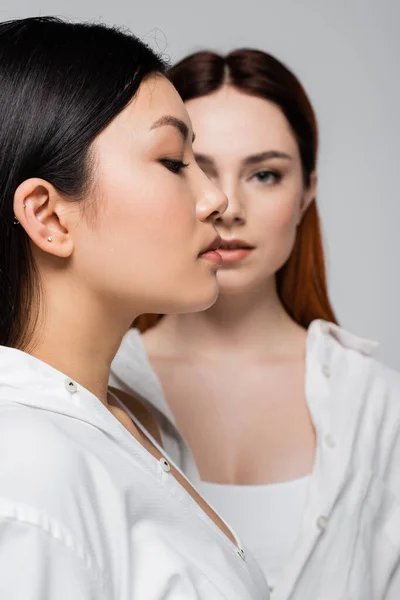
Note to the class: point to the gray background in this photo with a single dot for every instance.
(346, 52)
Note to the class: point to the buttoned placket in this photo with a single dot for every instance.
(319, 377)
(165, 473)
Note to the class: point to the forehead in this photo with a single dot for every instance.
(229, 123)
(155, 98)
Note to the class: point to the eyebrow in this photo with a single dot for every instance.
(252, 159)
(257, 158)
(174, 122)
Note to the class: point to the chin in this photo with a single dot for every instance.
(240, 282)
(190, 297)
(197, 299)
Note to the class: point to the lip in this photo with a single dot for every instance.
(235, 244)
(234, 250)
(212, 256)
(214, 245)
(210, 253)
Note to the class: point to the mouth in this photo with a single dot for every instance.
(210, 252)
(234, 250)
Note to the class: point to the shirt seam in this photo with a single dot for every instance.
(9, 513)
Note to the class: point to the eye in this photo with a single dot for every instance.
(268, 177)
(175, 166)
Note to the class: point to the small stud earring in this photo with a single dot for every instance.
(49, 239)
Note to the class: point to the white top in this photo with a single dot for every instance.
(348, 547)
(86, 513)
(266, 517)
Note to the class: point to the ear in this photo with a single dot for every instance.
(309, 196)
(39, 209)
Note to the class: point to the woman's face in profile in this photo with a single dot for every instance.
(246, 146)
(153, 216)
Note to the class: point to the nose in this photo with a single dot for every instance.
(213, 202)
(234, 213)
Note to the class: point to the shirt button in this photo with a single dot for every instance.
(70, 386)
(165, 465)
(326, 371)
(322, 522)
(330, 441)
(241, 553)
(271, 588)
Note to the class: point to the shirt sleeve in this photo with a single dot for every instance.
(393, 592)
(34, 565)
(392, 434)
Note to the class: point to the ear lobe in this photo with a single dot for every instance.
(36, 208)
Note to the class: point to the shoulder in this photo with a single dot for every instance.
(52, 477)
(386, 422)
(40, 511)
(349, 354)
(39, 459)
(323, 335)
(351, 361)
(24, 428)
(391, 377)
(364, 397)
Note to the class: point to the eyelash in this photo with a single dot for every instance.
(277, 177)
(175, 166)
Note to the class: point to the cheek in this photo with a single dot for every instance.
(149, 211)
(142, 234)
(278, 214)
(277, 222)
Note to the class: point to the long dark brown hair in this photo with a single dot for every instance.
(301, 282)
(61, 84)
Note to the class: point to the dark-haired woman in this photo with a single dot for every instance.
(294, 426)
(103, 215)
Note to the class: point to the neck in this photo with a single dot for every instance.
(79, 336)
(252, 323)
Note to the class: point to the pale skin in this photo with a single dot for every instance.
(134, 245)
(234, 373)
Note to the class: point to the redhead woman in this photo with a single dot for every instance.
(287, 423)
(95, 193)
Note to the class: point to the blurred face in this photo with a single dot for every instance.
(152, 241)
(245, 145)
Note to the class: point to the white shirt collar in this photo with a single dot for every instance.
(26, 380)
(323, 329)
(131, 370)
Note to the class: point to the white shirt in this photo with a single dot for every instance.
(86, 513)
(348, 547)
(266, 517)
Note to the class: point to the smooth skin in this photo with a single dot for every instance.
(132, 246)
(234, 374)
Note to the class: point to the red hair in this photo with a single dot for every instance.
(301, 282)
